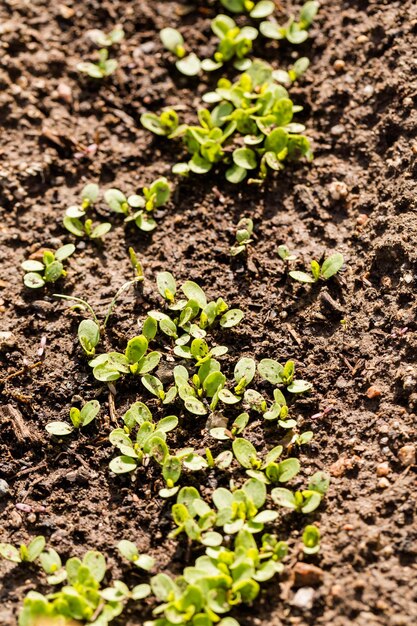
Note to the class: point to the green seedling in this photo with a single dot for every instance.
(120, 592)
(52, 566)
(130, 552)
(136, 264)
(285, 254)
(235, 43)
(79, 419)
(150, 440)
(75, 214)
(311, 540)
(257, 10)
(254, 111)
(329, 268)
(137, 208)
(81, 598)
(293, 73)
(86, 229)
(240, 509)
(49, 270)
(265, 470)
(296, 32)
(194, 517)
(277, 374)
(219, 581)
(173, 41)
(25, 553)
(305, 501)
(104, 66)
(243, 236)
(164, 125)
(237, 428)
(106, 40)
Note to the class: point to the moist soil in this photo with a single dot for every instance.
(356, 197)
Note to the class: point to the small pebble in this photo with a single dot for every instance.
(407, 455)
(4, 488)
(304, 597)
(408, 102)
(362, 39)
(373, 392)
(362, 219)
(339, 65)
(64, 92)
(337, 130)
(338, 190)
(382, 469)
(384, 483)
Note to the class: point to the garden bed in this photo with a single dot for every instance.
(353, 337)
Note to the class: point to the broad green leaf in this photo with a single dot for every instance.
(270, 370)
(59, 429)
(245, 158)
(194, 292)
(189, 65)
(244, 452)
(122, 464)
(231, 318)
(332, 265)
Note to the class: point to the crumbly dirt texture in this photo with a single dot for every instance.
(357, 197)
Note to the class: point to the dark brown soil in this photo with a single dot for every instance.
(362, 122)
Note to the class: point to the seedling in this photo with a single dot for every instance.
(254, 111)
(25, 553)
(266, 470)
(329, 268)
(165, 124)
(305, 501)
(150, 439)
(195, 518)
(239, 509)
(173, 41)
(256, 10)
(137, 208)
(79, 419)
(49, 270)
(74, 215)
(311, 540)
(243, 236)
(275, 373)
(285, 253)
(130, 552)
(295, 32)
(106, 40)
(80, 599)
(104, 66)
(235, 43)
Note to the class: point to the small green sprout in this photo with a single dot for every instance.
(79, 419)
(266, 470)
(295, 32)
(256, 10)
(137, 208)
(173, 41)
(25, 553)
(49, 270)
(74, 215)
(239, 509)
(195, 518)
(235, 43)
(285, 254)
(130, 552)
(104, 66)
(150, 441)
(329, 268)
(311, 540)
(106, 40)
(80, 599)
(254, 111)
(275, 373)
(243, 236)
(305, 501)
(164, 125)
(293, 73)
